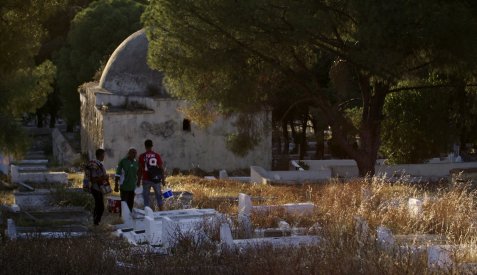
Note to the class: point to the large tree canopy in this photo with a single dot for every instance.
(94, 34)
(24, 85)
(239, 54)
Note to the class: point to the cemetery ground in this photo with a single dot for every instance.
(448, 217)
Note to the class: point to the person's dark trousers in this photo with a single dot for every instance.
(98, 206)
(128, 197)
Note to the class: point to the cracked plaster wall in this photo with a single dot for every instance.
(204, 148)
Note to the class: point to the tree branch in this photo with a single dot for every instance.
(422, 87)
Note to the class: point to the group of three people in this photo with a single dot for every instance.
(130, 173)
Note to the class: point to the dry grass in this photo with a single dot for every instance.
(448, 211)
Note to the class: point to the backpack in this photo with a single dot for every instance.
(153, 172)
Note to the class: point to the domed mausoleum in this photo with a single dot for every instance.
(130, 105)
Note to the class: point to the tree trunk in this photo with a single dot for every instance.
(286, 138)
(319, 138)
(39, 119)
(370, 129)
(293, 134)
(52, 120)
(303, 142)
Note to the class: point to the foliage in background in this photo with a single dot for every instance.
(24, 84)
(417, 126)
(94, 34)
(448, 211)
(239, 54)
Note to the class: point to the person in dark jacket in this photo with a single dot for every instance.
(97, 176)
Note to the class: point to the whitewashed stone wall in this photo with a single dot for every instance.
(91, 120)
(62, 150)
(160, 120)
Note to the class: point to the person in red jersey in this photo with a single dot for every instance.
(151, 173)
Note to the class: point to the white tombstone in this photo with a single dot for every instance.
(226, 234)
(439, 258)
(169, 232)
(223, 174)
(283, 225)
(415, 207)
(153, 230)
(11, 229)
(245, 204)
(148, 212)
(15, 208)
(246, 225)
(138, 199)
(14, 174)
(126, 215)
(385, 237)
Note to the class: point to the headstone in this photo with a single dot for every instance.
(246, 225)
(439, 258)
(385, 237)
(148, 212)
(226, 234)
(245, 204)
(169, 232)
(126, 214)
(15, 208)
(283, 225)
(153, 230)
(415, 207)
(223, 174)
(11, 229)
(14, 174)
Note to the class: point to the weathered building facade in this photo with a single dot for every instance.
(130, 105)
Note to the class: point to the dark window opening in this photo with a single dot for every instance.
(186, 125)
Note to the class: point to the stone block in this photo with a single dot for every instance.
(385, 237)
(279, 242)
(283, 225)
(439, 258)
(15, 208)
(245, 204)
(37, 199)
(170, 229)
(153, 230)
(126, 215)
(11, 229)
(415, 207)
(223, 174)
(226, 234)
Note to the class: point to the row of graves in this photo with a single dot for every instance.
(159, 232)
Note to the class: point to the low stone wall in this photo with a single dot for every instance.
(37, 177)
(327, 163)
(423, 170)
(63, 153)
(349, 169)
(260, 175)
(37, 199)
